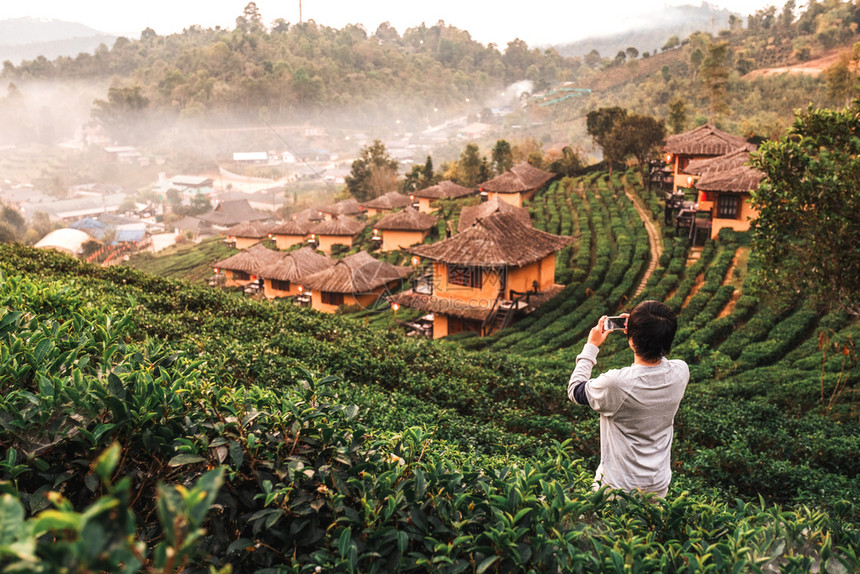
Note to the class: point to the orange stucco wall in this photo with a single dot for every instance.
(681, 179)
(371, 212)
(231, 282)
(424, 205)
(326, 241)
(522, 278)
(742, 223)
(365, 300)
(440, 326)
(272, 293)
(393, 240)
(488, 292)
(245, 242)
(287, 241)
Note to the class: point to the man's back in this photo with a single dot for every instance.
(637, 406)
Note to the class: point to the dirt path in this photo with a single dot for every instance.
(653, 240)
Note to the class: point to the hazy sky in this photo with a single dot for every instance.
(547, 22)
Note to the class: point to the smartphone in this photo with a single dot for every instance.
(615, 323)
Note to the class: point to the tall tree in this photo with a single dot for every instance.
(419, 177)
(600, 124)
(123, 113)
(642, 136)
(808, 225)
(567, 164)
(715, 75)
(373, 173)
(469, 168)
(503, 157)
(677, 115)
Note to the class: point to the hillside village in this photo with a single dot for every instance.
(496, 268)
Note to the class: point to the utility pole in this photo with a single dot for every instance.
(300, 11)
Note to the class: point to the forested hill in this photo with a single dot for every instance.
(407, 80)
(293, 71)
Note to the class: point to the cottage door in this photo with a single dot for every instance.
(503, 281)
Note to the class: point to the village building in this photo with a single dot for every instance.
(443, 190)
(725, 184)
(704, 142)
(517, 185)
(292, 232)
(73, 209)
(66, 240)
(283, 277)
(243, 269)
(272, 198)
(485, 276)
(709, 164)
(229, 213)
(244, 235)
(187, 186)
(404, 228)
(471, 213)
(386, 203)
(341, 230)
(357, 279)
(193, 228)
(310, 215)
(346, 207)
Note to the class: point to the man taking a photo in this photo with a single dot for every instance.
(637, 404)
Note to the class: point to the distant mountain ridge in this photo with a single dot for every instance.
(653, 30)
(29, 38)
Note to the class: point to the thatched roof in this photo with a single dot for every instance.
(738, 180)
(310, 214)
(705, 140)
(409, 219)
(358, 273)
(726, 162)
(445, 190)
(520, 178)
(230, 213)
(728, 172)
(499, 240)
(460, 307)
(469, 214)
(346, 207)
(433, 304)
(339, 226)
(292, 227)
(252, 229)
(391, 200)
(296, 265)
(252, 260)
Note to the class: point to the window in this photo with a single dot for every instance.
(240, 276)
(329, 298)
(729, 207)
(279, 285)
(465, 276)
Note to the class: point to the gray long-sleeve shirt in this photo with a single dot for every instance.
(637, 406)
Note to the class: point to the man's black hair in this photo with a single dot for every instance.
(651, 327)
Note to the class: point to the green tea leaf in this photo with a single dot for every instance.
(181, 459)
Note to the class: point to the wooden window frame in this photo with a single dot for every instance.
(465, 276)
(280, 285)
(331, 298)
(729, 206)
(241, 276)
